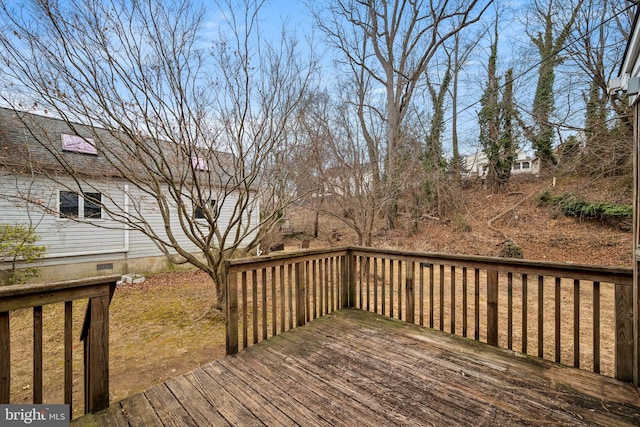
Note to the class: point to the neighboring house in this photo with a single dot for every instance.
(476, 165)
(81, 238)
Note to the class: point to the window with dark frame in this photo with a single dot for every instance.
(198, 212)
(72, 205)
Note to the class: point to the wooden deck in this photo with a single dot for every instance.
(356, 368)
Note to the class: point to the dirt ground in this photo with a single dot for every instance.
(163, 327)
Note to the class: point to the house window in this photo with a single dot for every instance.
(198, 213)
(72, 205)
(525, 165)
(516, 166)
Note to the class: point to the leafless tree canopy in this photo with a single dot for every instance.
(183, 117)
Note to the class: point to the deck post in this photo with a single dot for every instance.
(492, 307)
(624, 333)
(96, 355)
(349, 280)
(231, 285)
(300, 295)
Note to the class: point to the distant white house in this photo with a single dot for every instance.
(476, 165)
(80, 236)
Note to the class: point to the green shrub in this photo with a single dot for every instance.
(17, 246)
(576, 206)
(511, 250)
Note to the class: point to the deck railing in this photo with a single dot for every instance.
(95, 335)
(548, 310)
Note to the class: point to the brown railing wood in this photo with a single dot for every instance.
(95, 334)
(392, 283)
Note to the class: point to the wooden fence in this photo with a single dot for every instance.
(95, 335)
(548, 310)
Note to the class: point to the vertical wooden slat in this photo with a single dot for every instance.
(384, 286)
(37, 355)
(624, 332)
(300, 295)
(290, 300)
(68, 354)
(283, 300)
(349, 281)
(391, 296)
(492, 307)
(368, 267)
(525, 326)
(453, 299)
(576, 323)
(510, 311)
(361, 279)
(232, 311)
(558, 320)
(421, 309)
(541, 316)
(332, 305)
(97, 356)
(274, 300)
(5, 358)
(254, 302)
(314, 283)
(400, 290)
(326, 286)
(596, 327)
(307, 294)
(264, 303)
(409, 292)
(442, 297)
(375, 284)
(431, 302)
(245, 322)
(476, 304)
(464, 302)
(321, 287)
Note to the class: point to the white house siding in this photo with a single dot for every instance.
(70, 242)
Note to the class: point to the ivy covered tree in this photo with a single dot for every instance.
(497, 117)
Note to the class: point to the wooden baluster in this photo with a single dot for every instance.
(290, 296)
(541, 317)
(431, 304)
(510, 311)
(558, 317)
(492, 307)
(283, 299)
(68, 354)
(524, 313)
(596, 327)
(274, 300)
(254, 302)
(314, 283)
(384, 286)
(391, 297)
(409, 292)
(464, 302)
(442, 297)
(5, 358)
(245, 323)
(476, 304)
(375, 285)
(576, 323)
(421, 309)
(264, 303)
(400, 290)
(453, 299)
(37, 355)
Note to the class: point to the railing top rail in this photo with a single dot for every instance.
(619, 275)
(14, 297)
(245, 264)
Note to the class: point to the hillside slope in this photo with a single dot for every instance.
(487, 221)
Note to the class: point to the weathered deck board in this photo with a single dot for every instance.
(353, 367)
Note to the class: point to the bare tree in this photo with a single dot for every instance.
(595, 47)
(191, 129)
(392, 44)
(549, 24)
